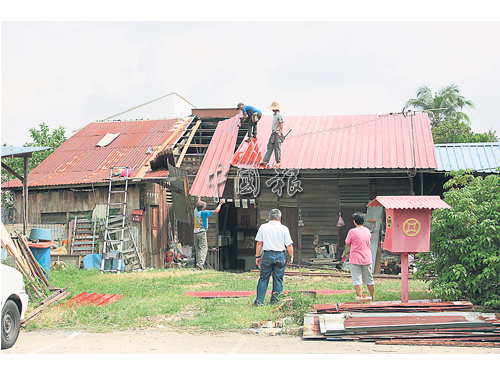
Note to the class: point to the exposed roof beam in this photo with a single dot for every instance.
(186, 146)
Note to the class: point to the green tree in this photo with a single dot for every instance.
(41, 137)
(464, 255)
(442, 106)
(457, 131)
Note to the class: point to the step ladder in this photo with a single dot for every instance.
(117, 247)
(84, 239)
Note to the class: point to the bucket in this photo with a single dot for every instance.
(42, 255)
(40, 234)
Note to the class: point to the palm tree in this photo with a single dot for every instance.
(445, 105)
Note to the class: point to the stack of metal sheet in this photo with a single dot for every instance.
(464, 328)
(434, 305)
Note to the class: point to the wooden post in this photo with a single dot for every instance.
(25, 195)
(404, 277)
(299, 229)
(377, 259)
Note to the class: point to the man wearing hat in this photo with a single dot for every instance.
(200, 230)
(274, 143)
(250, 116)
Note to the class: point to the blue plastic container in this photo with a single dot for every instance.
(42, 255)
(41, 234)
(94, 261)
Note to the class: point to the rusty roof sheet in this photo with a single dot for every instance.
(409, 202)
(80, 161)
(346, 142)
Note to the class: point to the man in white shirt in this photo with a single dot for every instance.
(273, 238)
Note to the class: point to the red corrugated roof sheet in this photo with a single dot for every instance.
(409, 202)
(80, 161)
(326, 142)
(93, 299)
(346, 142)
(211, 177)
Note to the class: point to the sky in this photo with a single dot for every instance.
(71, 73)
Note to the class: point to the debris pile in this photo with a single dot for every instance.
(37, 283)
(422, 322)
(57, 296)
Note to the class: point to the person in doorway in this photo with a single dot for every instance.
(250, 116)
(200, 230)
(357, 243)
(274, 143)
(272, 240)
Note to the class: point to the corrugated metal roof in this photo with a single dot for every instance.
(409, 202)
(18, 151)
(346, 142)
(80, 161)
(212, 174)
(325, 142)
(480, 157)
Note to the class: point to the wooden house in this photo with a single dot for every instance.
(74, 180)
(331, 166)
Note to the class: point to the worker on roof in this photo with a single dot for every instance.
(274, 143)
(250, 116)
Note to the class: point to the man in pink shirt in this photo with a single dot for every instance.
(357, 243)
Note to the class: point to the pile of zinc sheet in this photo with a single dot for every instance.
(422, 322)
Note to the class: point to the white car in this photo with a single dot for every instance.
(14, 303)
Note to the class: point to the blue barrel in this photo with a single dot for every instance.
(42, 255)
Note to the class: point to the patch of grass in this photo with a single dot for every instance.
(156, 297)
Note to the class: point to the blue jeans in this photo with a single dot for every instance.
(273, 262)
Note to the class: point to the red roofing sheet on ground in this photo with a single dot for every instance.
(247, 293)
(93, 298)
(400, 320)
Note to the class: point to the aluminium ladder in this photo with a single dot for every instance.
(115, 227)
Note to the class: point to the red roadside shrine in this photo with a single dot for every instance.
(407, 227)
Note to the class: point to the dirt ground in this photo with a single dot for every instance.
(165, 341)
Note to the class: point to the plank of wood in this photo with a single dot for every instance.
(188, 142)
(52, 299)
(146, 167)
(11, 248)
